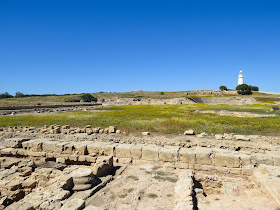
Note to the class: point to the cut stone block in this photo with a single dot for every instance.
(35, 145)
(101, 148)
(203, 156)
(136, 151)
(54, 146)
(15, 142)
(227, 159)
(74, 204)
(262, 159)
(123, 150)
(150, 152)
(187, 155)
(169, 153)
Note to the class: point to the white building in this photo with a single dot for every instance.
(240, 78)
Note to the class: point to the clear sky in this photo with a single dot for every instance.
(64, 46)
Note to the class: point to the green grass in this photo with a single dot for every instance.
(152, 195)
(165, 119)
(133, 177)
(165, 178)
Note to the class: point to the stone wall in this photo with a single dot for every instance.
(88, 152)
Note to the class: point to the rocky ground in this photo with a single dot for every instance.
(116, 170)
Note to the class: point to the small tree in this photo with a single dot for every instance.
(223, 88)
(244, 89)
(5, 95)
(255, 88)
(88, 98)
(19, 95)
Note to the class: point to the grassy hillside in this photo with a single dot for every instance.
(158, 118)
(58, 99)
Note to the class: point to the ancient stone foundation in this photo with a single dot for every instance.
(90, 162)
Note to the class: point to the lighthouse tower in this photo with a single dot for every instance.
(240, 78)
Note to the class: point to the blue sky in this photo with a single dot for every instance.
(64, 46)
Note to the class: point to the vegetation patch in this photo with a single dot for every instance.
(165, 119)
(166, 178)
(152, 195)
(133, 177)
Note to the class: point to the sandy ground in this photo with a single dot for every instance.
(137, 188)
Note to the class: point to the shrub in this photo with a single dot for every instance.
(255, 88)
(88, 98)
(223, 88)
(275, 108)
(244, 89)
(5, 95)
(162, 93)
(19, 95)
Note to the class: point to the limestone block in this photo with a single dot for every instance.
(34, 154)
(105, 159)
(150, 152)
(245, 159)
(29, 183)
(81, 147)
(53, 146)
(219, 137)
(169, 153)
(247, 171)
(205, 168)
(90, 159)
(96, 130)
(82, 187)
(7, 151)
(181, 165)
(34, 145)
(258, 158)
(124, 160)
(123, 150)
(15, 142)
(203, 156)
(136, 151)
(275, 155)
(223, 170)
(242, 137)
(227, 159)
(101, 148)
(103, 166)
(236, 171)
(189, 132)
(112, 129)
(82, 158)
(73, 157)
(60, 160)
(74, 204)
(81, 172)
(187, 155)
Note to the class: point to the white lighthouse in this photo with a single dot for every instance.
(240, 78)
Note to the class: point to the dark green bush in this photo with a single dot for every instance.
(19, 95)
(275, 108)
(255, 88)
(88, 98)
(244, 89)
(5, 95)
(223, 87)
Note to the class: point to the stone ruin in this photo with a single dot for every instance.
(60, 170)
